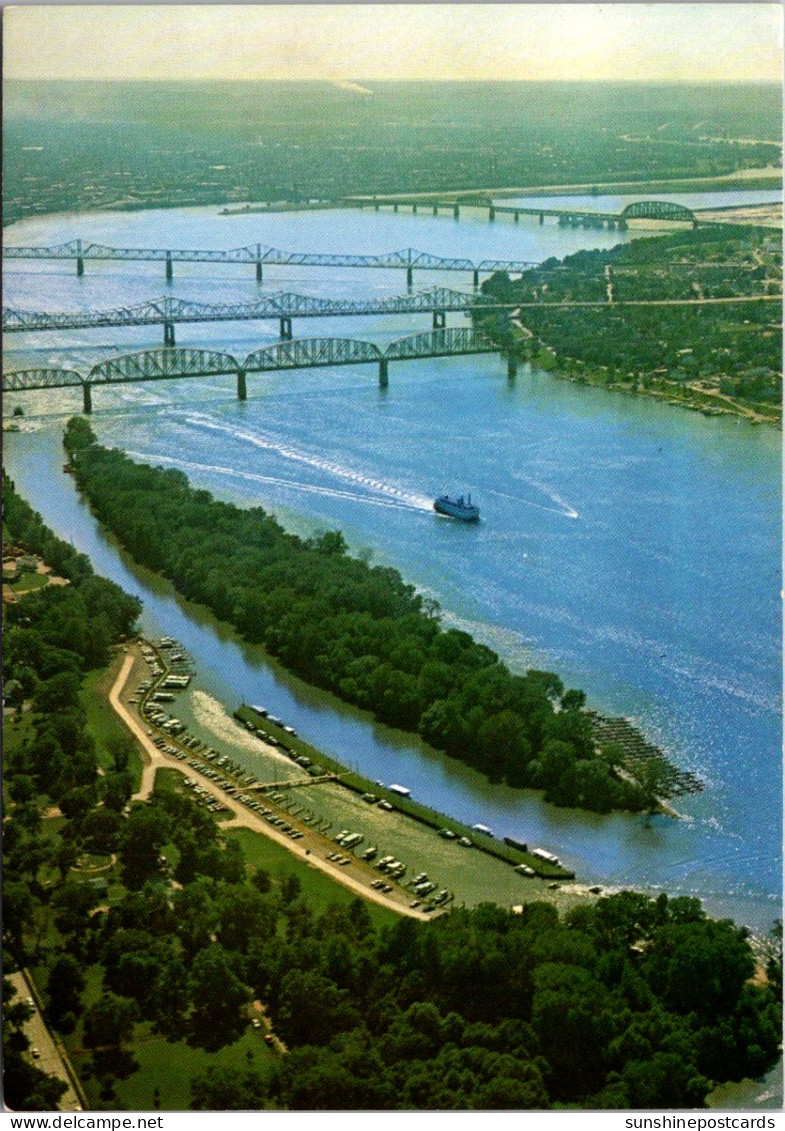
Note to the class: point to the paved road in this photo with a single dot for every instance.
(312, 848)
(651, 302)
(41, 1040)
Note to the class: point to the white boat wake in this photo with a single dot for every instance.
(253, 477)
(286, 451)
(562, 507)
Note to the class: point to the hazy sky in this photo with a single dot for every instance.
(363, 42)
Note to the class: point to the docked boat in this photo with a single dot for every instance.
(459, 508)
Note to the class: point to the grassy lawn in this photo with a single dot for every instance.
(169, 781)
(28, 582)
(103, 723)
(263, 852)
(16, 728)
(170, 1067)
(318, 889)
(166, 1065)
(407, 805)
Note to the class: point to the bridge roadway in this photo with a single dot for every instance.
(408, 258)
(284, 306)
(652, 210)
(305, 353)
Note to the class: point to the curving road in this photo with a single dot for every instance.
(312, 848)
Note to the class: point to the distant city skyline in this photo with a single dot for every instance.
(353, 44)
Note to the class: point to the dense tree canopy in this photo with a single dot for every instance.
(359, 631)
(631, 1002)
(733, 347)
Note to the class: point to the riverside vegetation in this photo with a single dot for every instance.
(359, 631)
(680, 344)
(151, 979)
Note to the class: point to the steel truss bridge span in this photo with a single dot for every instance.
(303, 353)
(23, 379)
(566, 217)
(408, 258)
(658, 210)
(284, 306)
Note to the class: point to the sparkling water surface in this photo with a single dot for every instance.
(631, 546)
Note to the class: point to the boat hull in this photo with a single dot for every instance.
(453, 508)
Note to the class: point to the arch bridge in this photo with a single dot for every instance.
(169, 363)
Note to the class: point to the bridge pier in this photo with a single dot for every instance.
(87, 399)
(456, 211)
(491, 213)
(79, 266)
(169, 271)
(542, 218)
(439, 319)
(476, 278)
(516, 217)
(409, 277)
(168, 333)
(259, 275)
(242, 391)
(286, 328)
(384, 375)
(622, 225)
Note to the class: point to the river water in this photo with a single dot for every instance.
(631, 546)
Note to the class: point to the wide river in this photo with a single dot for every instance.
(630, 546)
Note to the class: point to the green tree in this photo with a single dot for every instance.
(223, 1088)
(218, 996)
(145, 833)
(64, 987)
(311, 1009)
(109, 1022)
(77, 435)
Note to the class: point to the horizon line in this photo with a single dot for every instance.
(337, 83)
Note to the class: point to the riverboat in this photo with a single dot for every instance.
(460, 508)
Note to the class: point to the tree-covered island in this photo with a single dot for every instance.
(193, 977)
(693, 317)
(356, 630)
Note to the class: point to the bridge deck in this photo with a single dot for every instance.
(408, 258)
(281, 305)
(169, 363)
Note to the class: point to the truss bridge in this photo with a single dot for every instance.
(258, 255)
(283, 306)
(654, 210)
(171, 363)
